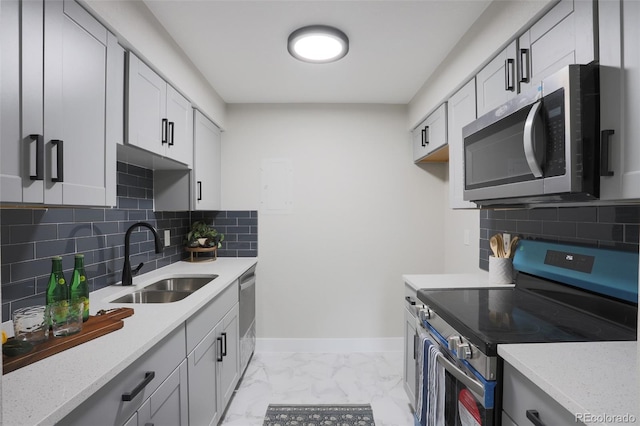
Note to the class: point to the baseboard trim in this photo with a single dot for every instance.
(387, 344)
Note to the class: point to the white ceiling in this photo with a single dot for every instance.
(240, 46)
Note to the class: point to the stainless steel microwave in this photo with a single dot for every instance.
(541, 146)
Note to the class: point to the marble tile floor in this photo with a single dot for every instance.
(322, 378)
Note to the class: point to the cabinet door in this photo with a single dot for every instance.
(563, 36)
(496, 82)
(431, 135)
(619, 97)
(461, 111)
(207, 164)
(168, 405)
(31, 96)
(409, 369)
(230, 366)
(204, 408)
(419, 136)
(10, 132)
(75, 59)
(180, 137)
(146, 107)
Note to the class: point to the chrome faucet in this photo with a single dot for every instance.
(127, 272)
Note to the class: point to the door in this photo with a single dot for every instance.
(11, 176)
(168, 405)
(204, 408)
(619, 99)
(230, 366)
(180, 137)
(75, 59)
(409, 370)
(563, 36)
(207, 164)
(496, 82)
(147, 94)
(461, 111)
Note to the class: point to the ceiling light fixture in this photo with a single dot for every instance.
(318, 44)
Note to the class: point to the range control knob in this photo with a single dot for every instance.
(425, 313)
(453, 342)
(464, 351)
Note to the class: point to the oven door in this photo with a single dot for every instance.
(467, 398)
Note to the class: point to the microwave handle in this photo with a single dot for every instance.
(529, 141)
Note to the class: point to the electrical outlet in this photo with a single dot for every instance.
(507, 240)
(167, 238)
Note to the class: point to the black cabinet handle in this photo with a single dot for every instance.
(534, 417)
(148, 424)
(415, 346)
(39, 140)
(509, 68)
(224, 337)
(199, 190)
(524, 65)
(219, 358)
(59, 161)
(148, 377)
(425, 136)
(605, 139)
(165, 130)
(171, 123)
(410, 300)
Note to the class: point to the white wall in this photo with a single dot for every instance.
(139, 30)
(363, 215)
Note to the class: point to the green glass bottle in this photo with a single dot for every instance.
(80, 286)
(57, 290)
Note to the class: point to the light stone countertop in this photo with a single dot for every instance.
(479, 279)
(595, 378)
(46, 391)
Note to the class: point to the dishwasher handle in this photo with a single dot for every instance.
(248, 281)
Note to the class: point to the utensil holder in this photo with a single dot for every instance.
(500, 270)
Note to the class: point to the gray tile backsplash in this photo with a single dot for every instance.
(615, 227)
(31, 236)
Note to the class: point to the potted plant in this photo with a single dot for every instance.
(201, 234)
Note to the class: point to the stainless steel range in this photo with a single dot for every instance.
(563, 293)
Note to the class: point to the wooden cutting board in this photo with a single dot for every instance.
(95, 326)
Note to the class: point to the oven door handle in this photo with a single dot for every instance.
(529, 139)
(473, 385)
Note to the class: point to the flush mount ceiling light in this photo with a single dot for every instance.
(318, 44)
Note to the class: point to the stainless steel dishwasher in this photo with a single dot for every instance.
(247, 316)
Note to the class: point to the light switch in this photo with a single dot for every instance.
(167, 238)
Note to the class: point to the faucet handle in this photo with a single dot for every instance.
(135, 271)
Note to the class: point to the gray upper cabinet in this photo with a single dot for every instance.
(619, 39)
(496, 83)
(461, 109)
(159, 119)
(565, 35)
(63, 152)
(206, 164)
(430, 137)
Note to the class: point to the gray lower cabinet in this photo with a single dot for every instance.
(121, 398)
(213, 368)
(620, 98)
(523, 401)
(57, 85)
(168, 405)
(409, 362)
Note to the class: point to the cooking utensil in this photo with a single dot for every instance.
(493, 243)
(511, 250)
